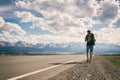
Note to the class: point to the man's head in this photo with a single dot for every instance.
(88, 31)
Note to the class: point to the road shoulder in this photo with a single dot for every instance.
(99, 69)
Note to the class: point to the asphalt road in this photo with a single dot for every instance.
(36, 67)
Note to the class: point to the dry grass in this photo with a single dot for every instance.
(115, 60)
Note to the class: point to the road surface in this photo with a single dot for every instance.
(36, 67)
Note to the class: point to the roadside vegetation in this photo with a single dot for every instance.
(114, 59)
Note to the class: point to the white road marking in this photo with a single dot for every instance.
(38, 71)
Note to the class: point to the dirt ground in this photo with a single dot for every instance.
(99, 69)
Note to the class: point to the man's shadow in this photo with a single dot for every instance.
(68, 63)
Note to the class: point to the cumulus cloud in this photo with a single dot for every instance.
(36, 21)
(108, 35)
(109, 11)
(67, 20)
(59, 26)
(34, 39)
(1, 22)
(10, 27)
(59, 16)
(54, 9)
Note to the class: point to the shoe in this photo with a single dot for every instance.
(87, 61)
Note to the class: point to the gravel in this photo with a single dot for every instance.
(99, 69)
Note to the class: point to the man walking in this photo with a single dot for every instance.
(90, 39)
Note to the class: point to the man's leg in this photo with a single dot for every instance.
(87, 49)
(91, 52)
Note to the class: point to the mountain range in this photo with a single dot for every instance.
(23, 47)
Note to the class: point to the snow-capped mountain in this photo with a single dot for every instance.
(106, 48)
(21, 46)
(2, 43)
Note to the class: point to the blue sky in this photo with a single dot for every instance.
(59, 21)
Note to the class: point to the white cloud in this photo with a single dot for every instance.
(55, 39)
(10, 27)
(109, 11)
(34, 39)
(67, 20)
(23, 4)
(36, 21)
(108, 35)
(52, 10)
(1, 22)
(52, 26)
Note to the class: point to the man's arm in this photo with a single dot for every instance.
(94, 38)
(86, 38)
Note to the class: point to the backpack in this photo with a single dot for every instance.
(90, 39)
